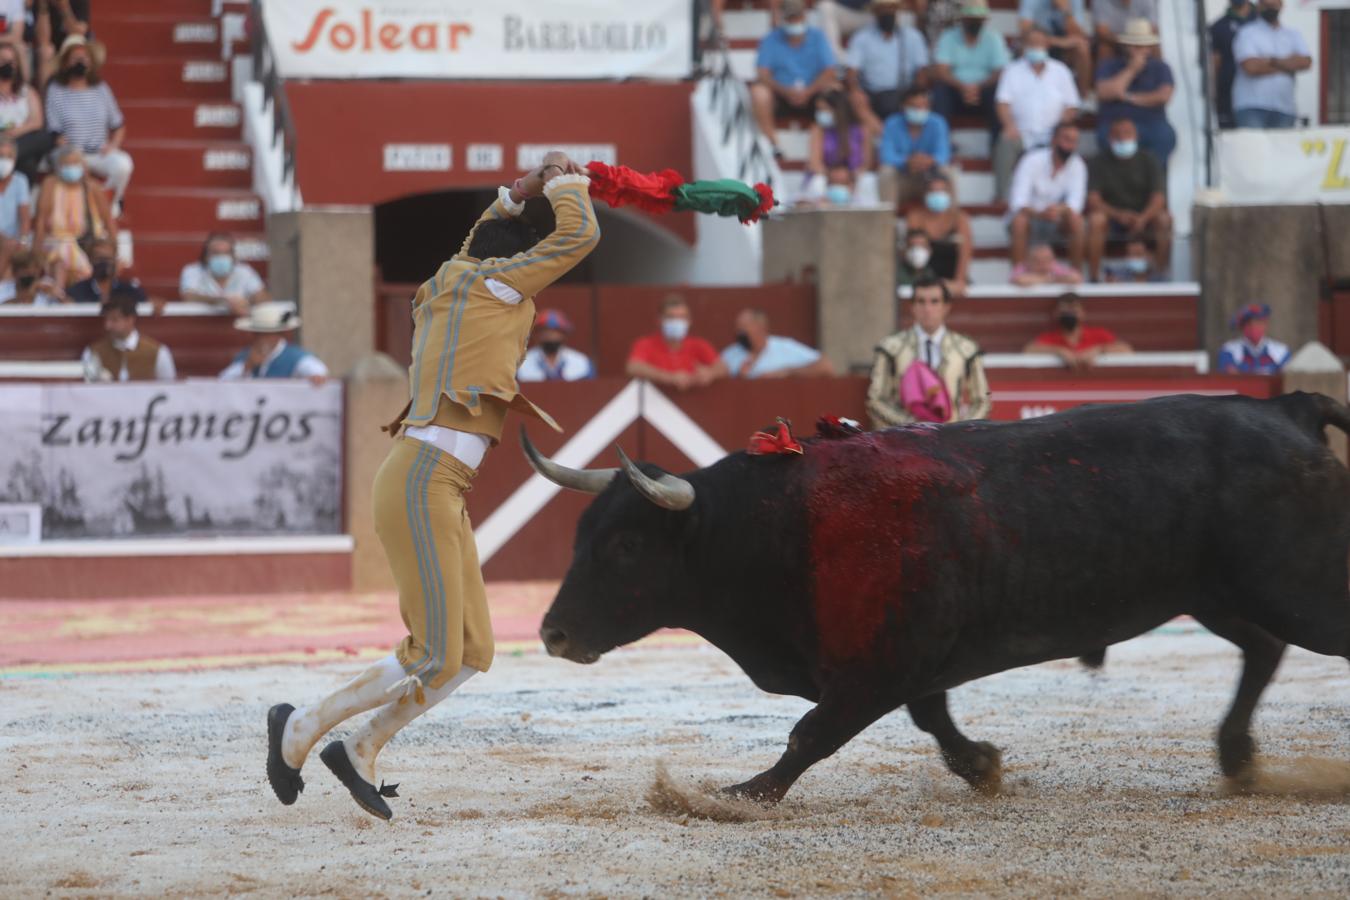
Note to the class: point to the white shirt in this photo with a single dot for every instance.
(571, 365)
(242, 280)
(934, 360)
(93, 366)
(308, 366)
(1037, 101)
(465, 446)
(1037, 186)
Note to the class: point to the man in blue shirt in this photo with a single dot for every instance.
(1136, 86)
(758, 354)
(795, 64)
(883, 60)
(1268, 55)
(915, 143)
(968, 62)
(1222, 66)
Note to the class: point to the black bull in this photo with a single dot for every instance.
(883, 569)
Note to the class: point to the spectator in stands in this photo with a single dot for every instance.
(884, 60)
(1041, 268)
(1049, 192)
(27, 286)
(1077, 344)
(915, 145)
(1137, 86)
(123, 353)
(758, 354)
(1112, 18)
(949, 233)
(1222, 66)
(968, 62)
(1268, 56)
(219, 277)
(838, 140)
(948, 384)
(842, 19)
(1135, 267)
(1126, 199)
(53, 22)
(794, 65)
(1035, 94)
(673, 357)
(21, 115)
(72, 212)
(82, 109)
(100, 286)
(271, 355)
(916, 254)
(1254, 353)
(1063, 23)
(16, 214)
(550, 359)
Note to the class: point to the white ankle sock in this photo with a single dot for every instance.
(366, 691)
(365, 745)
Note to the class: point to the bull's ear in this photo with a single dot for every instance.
(667, 492)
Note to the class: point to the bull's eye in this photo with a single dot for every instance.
(623, 547)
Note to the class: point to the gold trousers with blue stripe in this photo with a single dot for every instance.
(423, 524)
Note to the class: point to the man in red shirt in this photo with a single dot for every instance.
(1077, 344)
(672, 357)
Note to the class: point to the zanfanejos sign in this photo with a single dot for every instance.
(497, 39)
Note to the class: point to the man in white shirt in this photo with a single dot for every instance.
(1034, 94)
(271, 355)
(1049, 191)
(219, 278)
(123, 353)
(1268, 56)
(550, 359)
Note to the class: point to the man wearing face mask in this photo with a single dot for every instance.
(969, 60)
(758, 354)
(915, 145)
(1126, 199)
(1077, 344)
(793, 66)
(1049, 191)
(1137, 86)
(1035, 94)
(1063, 23)
(1255, 353)
(1135, 267)
(884, 60)
(221, 279)
(673, 357)
(105, 281)
(550, 359)
(1223, 68)
(1268, 56)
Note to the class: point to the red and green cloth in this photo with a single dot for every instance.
(667, 191)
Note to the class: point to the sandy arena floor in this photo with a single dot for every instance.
(532, 781)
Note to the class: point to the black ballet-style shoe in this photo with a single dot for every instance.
(286, 782)
(366, 795)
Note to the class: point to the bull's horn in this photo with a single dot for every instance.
(667, 491)
(589, 481)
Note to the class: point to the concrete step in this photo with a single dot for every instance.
(192, 164)
(182, 119)
(140, 78)
(193, 209)
(990, 272)
(167, 35)
(990, 232)
(185, 8)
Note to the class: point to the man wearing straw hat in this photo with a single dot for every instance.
(1136, 86)
(271, 355)
(472, 319)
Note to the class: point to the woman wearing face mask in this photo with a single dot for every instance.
(72, 213)
(948, 230)
(21, 115)
(838, 140)
(219, 278)
(916, 254)
(82, 109)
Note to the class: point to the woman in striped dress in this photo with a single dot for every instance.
(82, 109)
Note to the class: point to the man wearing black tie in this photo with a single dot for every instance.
(954, 358)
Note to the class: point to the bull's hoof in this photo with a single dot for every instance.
(980, 764)
(1236, 754)
(760, 789)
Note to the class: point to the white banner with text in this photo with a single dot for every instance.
(501, 39)
(1284, 166)
(199, 457)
